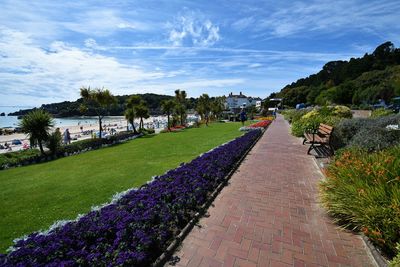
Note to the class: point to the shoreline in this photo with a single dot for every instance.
(118, 124)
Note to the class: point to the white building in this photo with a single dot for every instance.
(240, 101)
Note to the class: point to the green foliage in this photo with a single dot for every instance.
(396, 260)
(180, 107)
(69, 186)
(381, 112)
(309, 120)
(368, 133)
(204, 107)
(54, 142)
(362, 192)
(17, 157)
(292, 115)
(359, 80)
(37, 125)
(167, 107)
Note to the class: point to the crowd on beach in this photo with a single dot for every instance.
(82, 130)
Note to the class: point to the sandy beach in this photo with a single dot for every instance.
(118, 124)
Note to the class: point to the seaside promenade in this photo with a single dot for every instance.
(270, 215)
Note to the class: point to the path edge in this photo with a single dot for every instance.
(165, 256)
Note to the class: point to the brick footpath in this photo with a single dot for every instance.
(269, 214)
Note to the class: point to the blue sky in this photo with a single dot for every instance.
(49, 49)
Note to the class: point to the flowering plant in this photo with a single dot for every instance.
(136, 228)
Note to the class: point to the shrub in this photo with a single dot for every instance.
(292, 115)
(53, 142)
(396, 260)
(136, 228)
(381, 112)
(369, 133)
(362, 192)
(18, 157)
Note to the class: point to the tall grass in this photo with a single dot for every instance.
(362, 192)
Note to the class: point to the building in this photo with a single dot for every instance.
(240, 101)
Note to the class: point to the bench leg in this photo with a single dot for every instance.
(310, 148)
(304, 141)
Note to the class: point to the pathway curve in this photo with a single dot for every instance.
(269, 214)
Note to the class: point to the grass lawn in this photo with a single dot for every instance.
(33, 197)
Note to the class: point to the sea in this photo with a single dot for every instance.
(13, 121)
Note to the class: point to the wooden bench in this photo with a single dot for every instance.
(321, 137)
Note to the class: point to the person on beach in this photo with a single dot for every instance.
(243, 116)
(67, 137)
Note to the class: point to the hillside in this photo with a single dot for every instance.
(70, 109)
(354, 82)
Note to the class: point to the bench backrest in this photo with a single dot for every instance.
(325, 129)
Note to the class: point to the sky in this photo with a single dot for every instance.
(50, 49)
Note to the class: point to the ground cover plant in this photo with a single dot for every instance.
(134, 230)
(362, 192)
(33, 197)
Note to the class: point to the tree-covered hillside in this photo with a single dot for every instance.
(354, 82)
(69, 109)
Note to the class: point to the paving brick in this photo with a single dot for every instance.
(268, 214)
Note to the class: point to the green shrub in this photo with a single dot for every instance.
(17, 157)
(362, 192)
(53, 142)
(396, 260)
(381, 112)
(375, 138)
(292, 115)
(369, 133)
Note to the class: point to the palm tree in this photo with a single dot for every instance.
(180, 108)
(204, 107)
(168, 106)
(142, 111)
(130, 113)
(217, 107)
(37, 124)
(100, 99)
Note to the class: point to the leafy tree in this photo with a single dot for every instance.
(180, 107)
(217, 107)
(101, 100)
(37, 124)
(142, 111)
(167, 107)
(130, 113)
(204, 107)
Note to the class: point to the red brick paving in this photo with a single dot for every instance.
(269, 214)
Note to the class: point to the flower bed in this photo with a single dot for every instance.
(135, 229)
(362, 192)
(258, 125)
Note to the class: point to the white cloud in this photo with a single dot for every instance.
(243, 23)
(60, 71)
(193, 29)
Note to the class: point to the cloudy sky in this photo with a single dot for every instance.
(49, 49)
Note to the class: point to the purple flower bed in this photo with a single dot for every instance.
(137, 228)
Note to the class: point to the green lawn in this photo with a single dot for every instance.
(33, 197)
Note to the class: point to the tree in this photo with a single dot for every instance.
(204, 107)
(180, 108)
(130, 113)
(37, 124)
(217, 107)
(167, 107)
(142, 111)
(100, 99)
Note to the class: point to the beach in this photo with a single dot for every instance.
(81, 129)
